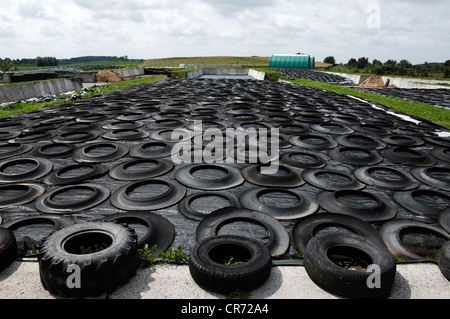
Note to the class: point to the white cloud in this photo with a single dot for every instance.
(410, 29)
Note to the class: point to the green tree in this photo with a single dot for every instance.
(403, 67)
(330, 60)
(446, 72)
(424, 69)
(390, 66)
(405, 64)
(362, 63)
(46, 61)
(352, 63)
(7, 65)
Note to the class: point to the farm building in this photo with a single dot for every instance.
(292, 61)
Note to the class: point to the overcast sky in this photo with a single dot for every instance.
(415, 30)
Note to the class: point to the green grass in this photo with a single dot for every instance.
(180, 74)
(270, 75)
(18, 108)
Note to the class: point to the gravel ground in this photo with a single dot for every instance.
(413, 281)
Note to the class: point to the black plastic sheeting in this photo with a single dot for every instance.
(321, 131)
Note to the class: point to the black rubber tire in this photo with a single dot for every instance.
(210, 274)
(57, 222)
(42, 151)
(373, 176)
(341, 179)
(121, 198)
(391, 233)
(18, 149)
(346, 282)
(408, 156)
(75, 137)
(310, 142)
(8, 247)
(434, 176)
(57, 177)
(253, 174)
(123, 173)
(444, 260)
(100, 272)
(307, 205)
(31, 191)
(358, 140)
(431, 209)
(185, 176)
(41, 168)
(310, 159)
(160, 233)
(278, 242)
(46, 204)
(188, 212)
(141, 150)
(444, 219)
(306, 228)
(402, 140)
(339, 153)
(81, 154)
(383, 209)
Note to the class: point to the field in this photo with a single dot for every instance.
(176, 61)
(122, 64)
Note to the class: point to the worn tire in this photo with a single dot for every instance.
(8, 247)
(345, 282)
(100, 272)
(209, 271)
(444, 260)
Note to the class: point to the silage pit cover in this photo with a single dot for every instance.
(156, 109)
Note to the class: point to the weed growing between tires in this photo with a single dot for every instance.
(149, 258)
(84, 250)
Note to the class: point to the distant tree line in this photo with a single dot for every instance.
(52, 61)
(46, 61)
(392, 67)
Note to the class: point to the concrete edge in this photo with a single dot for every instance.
(401, 83)
(19, 92)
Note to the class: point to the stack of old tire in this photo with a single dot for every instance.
(353, 183)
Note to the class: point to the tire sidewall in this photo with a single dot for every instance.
(99, 272)
(56, 241)
(214, 276)
(202, 252)
(346, 282)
